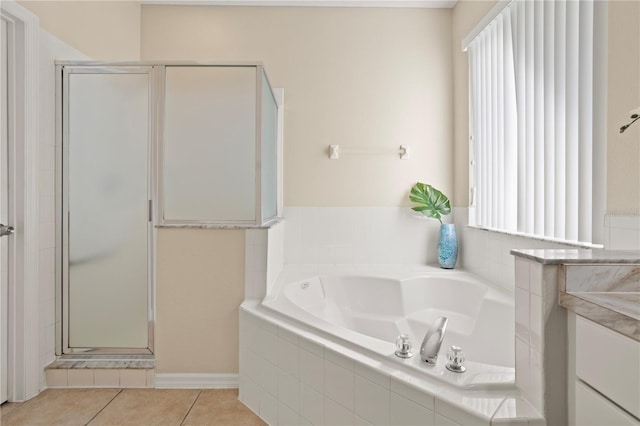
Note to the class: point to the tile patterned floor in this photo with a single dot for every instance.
(135, 407)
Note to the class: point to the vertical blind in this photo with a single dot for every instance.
(537, 100)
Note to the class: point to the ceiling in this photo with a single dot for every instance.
(310, 3)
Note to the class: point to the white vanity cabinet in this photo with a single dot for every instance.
(605, 375)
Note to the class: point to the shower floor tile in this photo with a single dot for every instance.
(130, 407)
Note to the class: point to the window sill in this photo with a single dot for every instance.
(575, 244)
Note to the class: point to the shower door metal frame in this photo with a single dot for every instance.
(63, 70)
(156, 71)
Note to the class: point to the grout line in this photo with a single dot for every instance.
(191, 408)
(105, 406)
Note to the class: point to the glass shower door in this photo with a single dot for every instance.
(106, 212)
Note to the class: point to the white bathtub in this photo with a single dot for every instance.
(366, 308)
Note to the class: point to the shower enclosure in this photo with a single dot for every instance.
(143, 145)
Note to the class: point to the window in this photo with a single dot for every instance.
(537, 111)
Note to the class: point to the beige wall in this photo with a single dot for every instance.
(363, 77)
(102, 30)
(199, 287)
(352, 76)
(623, 151)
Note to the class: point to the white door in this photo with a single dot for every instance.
(4, 212)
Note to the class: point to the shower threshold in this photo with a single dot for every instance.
(74, 361)
(110, 371)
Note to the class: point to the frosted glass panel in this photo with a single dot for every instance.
(209, 143)
(107, 199)
(269, 151)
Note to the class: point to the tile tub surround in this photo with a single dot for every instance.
(289, 375)
(359, 235)
(541, 324)
(264, 259)
(488, 253)
(606, 294)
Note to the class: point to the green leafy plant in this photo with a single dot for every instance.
(431, 202)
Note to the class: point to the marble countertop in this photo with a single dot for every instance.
(560, 256)
(600, 285)
(608, 294)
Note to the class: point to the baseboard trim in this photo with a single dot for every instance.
(196, 380)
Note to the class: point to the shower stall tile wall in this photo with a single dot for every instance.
(51, 48)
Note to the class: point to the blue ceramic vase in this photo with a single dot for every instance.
(447, 246)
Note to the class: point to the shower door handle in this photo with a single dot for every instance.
(6, 230)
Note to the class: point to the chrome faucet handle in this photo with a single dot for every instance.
(403, 346)
(456, 358)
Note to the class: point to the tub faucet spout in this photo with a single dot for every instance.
(433, 340)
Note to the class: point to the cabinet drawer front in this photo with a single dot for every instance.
(610, 363)
(592, 409)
